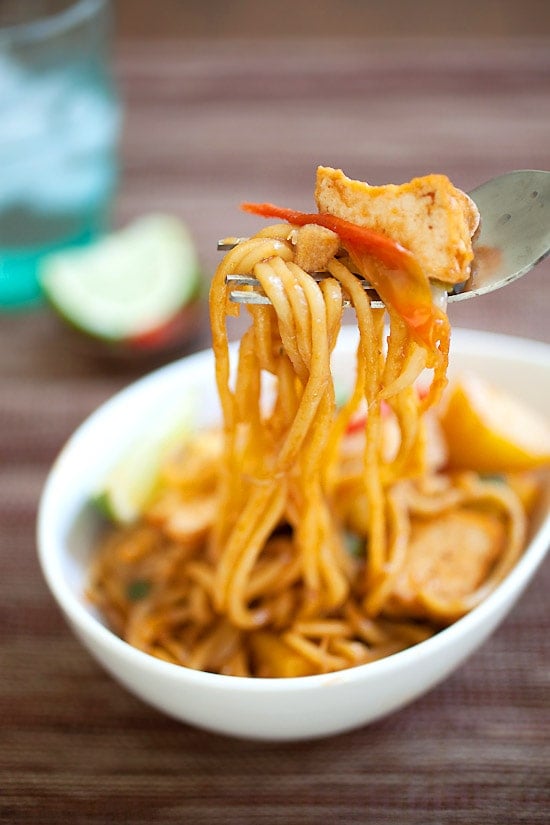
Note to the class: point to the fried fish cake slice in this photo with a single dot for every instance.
(448, 558)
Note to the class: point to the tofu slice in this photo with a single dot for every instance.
(428, 216)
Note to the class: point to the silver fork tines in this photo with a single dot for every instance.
(226, 244)
(258, 296)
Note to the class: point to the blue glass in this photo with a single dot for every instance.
(60, 120)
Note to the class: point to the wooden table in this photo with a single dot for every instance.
(207, 126)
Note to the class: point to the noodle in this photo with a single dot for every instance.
(267, 585)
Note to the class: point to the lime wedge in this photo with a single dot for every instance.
(129, 485)
(127, 284)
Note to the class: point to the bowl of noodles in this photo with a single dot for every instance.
(297, 533)
(301, 706)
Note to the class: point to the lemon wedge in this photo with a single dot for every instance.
(489, 431)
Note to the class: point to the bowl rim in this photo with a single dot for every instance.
(50, 554)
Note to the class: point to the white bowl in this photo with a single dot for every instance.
(273, 709)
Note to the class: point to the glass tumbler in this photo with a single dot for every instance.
(59, 127)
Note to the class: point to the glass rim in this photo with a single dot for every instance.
(41, 28)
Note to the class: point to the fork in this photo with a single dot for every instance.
(514, 236)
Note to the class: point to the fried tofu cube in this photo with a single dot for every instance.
(449, 557)
(315, 246)
(428, 216)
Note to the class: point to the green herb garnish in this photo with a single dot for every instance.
(354, 544)
(138, 589)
